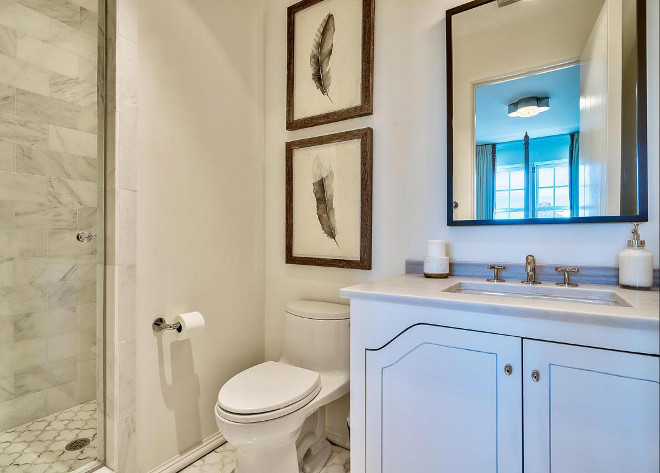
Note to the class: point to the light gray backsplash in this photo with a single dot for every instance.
(516, 272)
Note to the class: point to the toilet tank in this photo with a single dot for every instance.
(316, 336)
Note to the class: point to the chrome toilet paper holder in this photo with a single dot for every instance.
(159, 325)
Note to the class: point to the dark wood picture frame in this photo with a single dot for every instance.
(367, 83)
(365, 135)
(642, 151)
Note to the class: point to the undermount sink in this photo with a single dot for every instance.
(547, 292)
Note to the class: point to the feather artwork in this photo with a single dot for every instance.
(319, 58)
(324, 191)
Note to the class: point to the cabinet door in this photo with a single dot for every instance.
(439, 400)
(591, 410)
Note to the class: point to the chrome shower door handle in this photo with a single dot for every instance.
(84, 237)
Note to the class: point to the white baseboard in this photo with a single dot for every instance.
(190, 456)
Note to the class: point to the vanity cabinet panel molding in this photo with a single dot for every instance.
(439, 399)
(591, 410)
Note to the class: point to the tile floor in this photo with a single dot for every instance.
(223, 460)
(38, 446)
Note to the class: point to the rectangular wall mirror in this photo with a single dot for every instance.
(546, 104)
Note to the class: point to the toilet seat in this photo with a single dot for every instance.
(267, 391)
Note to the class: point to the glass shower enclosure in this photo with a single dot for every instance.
(51, 235)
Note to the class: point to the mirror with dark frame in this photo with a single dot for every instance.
(546, 103)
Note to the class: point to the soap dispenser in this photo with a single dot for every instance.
(636, 264)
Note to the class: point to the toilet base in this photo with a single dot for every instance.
(316, 457)
(284, 449)
(313, 448)
(280, 457)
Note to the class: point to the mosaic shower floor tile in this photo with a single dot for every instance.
(39, 446)
(223, 460)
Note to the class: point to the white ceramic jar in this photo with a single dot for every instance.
(636, 264)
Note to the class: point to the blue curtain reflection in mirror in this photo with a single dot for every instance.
(486, 158)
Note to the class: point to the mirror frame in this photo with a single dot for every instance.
(642, 166)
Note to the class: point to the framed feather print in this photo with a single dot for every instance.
(328, 200)
(330, 61)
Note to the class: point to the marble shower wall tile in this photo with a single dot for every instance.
(126, 160)
(126, 225)
(79, 344)
(46, 56)
(92, 5)
(62, 10)
(21, 410)
(72, 193)
(25, 76)
(44, 324)
(89, 21)
(121, 219)
(39, 215)
(73, 40)
(7, 156)
(126, 378)
(53, 164)
(64, 243)
(17, 243)
(127, 302)
(126, 444)
(8, 41)
(24, 19)
(46, 109)
(7, 273)
(22, 355)
(72, 90)
(7, 99)
(127, 19)
(45, 376)
(44, 270)
(87, 70)
(23, 131)
(23, 187)
(87, 219)
(20, 300)
(127, 72)
(71, 141)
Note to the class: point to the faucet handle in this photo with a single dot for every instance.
(496, 272)
(567, 276)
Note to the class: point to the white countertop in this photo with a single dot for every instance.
(414, 289)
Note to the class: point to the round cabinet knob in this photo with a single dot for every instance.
(84, 237)
(508, 369)
(536, 376)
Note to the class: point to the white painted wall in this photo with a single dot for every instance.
(200, 212)
(594, 119)
(410, 166)
(601, 74)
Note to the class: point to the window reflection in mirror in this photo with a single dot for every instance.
(544, 111)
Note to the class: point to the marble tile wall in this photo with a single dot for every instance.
(121, 114)
(48, 192)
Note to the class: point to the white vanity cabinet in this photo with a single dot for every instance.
(442, 382)
(590, 410)
(440, 399)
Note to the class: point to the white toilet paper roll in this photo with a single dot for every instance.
(192, 324)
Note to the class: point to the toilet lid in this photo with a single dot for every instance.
(267, 387)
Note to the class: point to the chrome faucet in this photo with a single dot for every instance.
(530, 269)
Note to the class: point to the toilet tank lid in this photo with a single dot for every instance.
(318, 310)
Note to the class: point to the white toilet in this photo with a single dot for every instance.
(273, 413)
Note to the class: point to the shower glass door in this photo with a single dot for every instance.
(51, 235)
